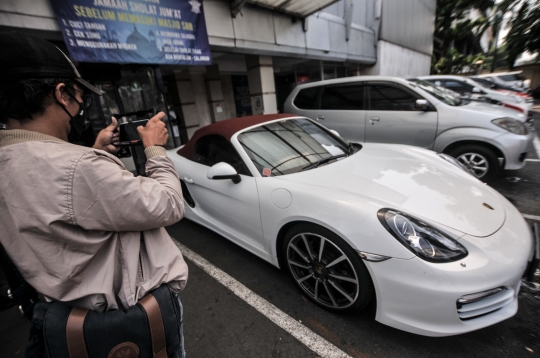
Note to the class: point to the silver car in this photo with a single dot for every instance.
(512, 79)
(483, 137)
(469, 88)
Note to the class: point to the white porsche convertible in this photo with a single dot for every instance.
(441, 252)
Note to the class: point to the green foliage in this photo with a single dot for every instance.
(452, 24)
(524, 24)
(455, 62)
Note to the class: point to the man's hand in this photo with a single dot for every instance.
(154, 133)
(107, 137)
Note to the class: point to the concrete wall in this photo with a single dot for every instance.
(29, 14)
(263, 32)
(531, 72)
(394, 60)
(409, 23)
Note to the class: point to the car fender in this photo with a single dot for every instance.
(480, 135)
(352, 218)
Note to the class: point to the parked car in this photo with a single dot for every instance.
(474, 90)
(511, 79)
(486, 82)
(440, 252)
(484, 137)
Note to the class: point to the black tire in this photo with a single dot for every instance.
(344, 286)
(481, 161)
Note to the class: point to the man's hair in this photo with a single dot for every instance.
(23, 99)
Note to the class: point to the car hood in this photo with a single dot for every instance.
(493, 110)
(413, 180)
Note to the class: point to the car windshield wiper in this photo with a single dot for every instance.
(322, 161)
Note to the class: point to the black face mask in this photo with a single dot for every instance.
(79, 122)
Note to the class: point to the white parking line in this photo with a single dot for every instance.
(531, 217)
(312, 340)
(536, 143)
(532, 160)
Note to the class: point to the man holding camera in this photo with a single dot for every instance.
(78, 226)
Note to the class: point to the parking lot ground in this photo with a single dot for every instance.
(217, 323)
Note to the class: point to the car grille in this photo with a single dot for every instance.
(485, 305)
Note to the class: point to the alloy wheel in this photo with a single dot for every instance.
(323, 270)
(477, 164)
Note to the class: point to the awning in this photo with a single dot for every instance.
(297, 8)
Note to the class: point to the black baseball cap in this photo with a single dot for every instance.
(27, 57)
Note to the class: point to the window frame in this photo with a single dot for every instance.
(416, 95)
(362, 84)
(247, 171)
(318, 100)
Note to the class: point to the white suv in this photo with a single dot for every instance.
(482, 136)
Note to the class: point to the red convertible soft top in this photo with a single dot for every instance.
(227, 129)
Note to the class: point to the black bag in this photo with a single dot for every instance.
(148, 329)
(151, 328)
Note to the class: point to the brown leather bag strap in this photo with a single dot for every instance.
(155, 321)
(75, 333)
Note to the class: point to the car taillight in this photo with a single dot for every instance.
(516, 108)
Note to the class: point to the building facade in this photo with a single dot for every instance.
(260, 52)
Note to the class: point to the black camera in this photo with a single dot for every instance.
(128, 132)
(128, 128)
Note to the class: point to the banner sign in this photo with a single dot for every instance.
(169, 32)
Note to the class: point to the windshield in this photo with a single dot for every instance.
(483, 82)
(511, 77)
(289, 146)
(437, 92)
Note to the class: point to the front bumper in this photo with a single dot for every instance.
(421, 297)
(515, 148)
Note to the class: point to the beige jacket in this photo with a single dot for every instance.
(71, 220)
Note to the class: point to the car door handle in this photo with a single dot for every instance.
(375, 119)
(320, 117)
(188, 179)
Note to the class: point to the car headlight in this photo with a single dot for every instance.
(454, 161)
(511, 125)
(423, 240)
(518, 99)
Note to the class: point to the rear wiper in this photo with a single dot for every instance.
(322, 161)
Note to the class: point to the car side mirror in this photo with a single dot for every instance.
(221, 171)
(476, 90)
(421, 104)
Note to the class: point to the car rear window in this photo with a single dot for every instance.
(307, 98)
